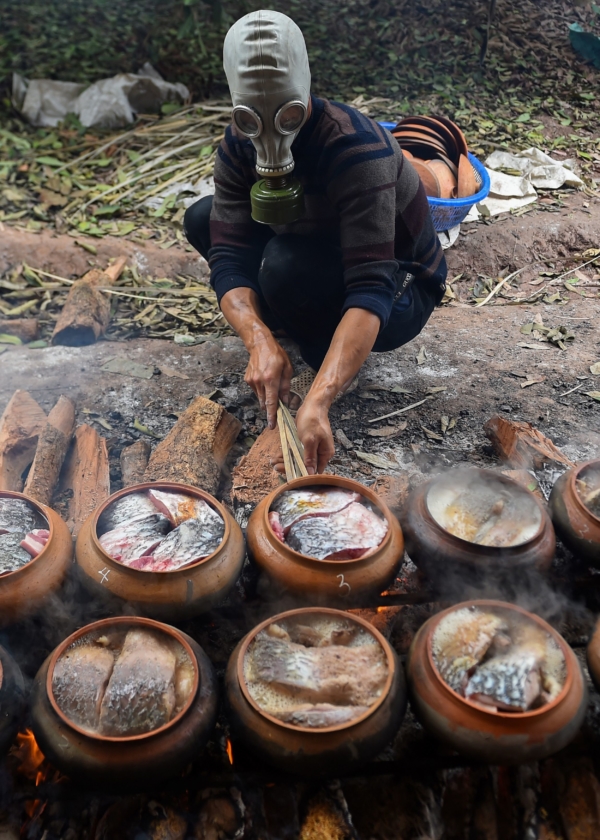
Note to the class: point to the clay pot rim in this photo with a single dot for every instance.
(110, 622)
(329, 611)
(41, 509)
(572, 478)
(336, 481)
(505, 605)
(491, 550)
(1, 674)
(160, 485)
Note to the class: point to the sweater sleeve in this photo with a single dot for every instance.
(235, 253)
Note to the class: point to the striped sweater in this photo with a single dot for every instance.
(359, 191)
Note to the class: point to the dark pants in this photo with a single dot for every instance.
(302, 288)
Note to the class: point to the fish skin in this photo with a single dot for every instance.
(468, 646)
(193, 540)
(128, 508)
(295, 505)
(79, 681)
(511, 682)
(348, 533)
(178, 507)
(35, 541)
(131, 540)
(320, 715)
(12, 555)
(18, 517)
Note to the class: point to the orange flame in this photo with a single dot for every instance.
(229, 750)
(31, 757)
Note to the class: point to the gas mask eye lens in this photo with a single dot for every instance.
(248, 122)
(290, 117)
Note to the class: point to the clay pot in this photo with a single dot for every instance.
(428, 178)
(494, 737)
(445, 177)
(315, 752)
(165, 595)
(324, 582)
(575, 524)
(132, 763)
(23, 591)
(440, 554)
(12, 700)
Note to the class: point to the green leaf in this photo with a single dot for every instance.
(37, 345)
(49, 161)
(523, 118)
(9, 339)
(137, 424)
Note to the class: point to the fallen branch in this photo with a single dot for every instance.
(497, 288)
(400, 410)
(134, 460)
(87, 474)
(51, 450)
(86, 314)
(21, 424)
(195, 449)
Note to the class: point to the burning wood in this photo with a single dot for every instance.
(86, 314)
(521, 445)
(195, 449)
(134, 460)
(255, 477)
(20, 427)
(87, 473)
(24, 328)
(51, 450)
(393, 490)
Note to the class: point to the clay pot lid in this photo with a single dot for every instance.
(136, 621)
(459, 137)
(479, 707)
(443, 131)
(340, 614)
(185, 489)
(407, 138)
(332, 481)
(428, 177)
(41, 509)
(467, 182)
(465, 477)
(445, 176)
(575, 476)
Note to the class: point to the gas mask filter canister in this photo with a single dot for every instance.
(265, 60)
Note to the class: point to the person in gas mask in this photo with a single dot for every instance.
(319, 227)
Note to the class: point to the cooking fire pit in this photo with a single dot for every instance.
(36, 550)
(124, 702)
(575, 507)
(170, 549)
(315, 691)
(496, 682)
(474, 523)
(325, 539)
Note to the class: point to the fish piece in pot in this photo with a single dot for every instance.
(17, 517)
(460, 642)
(334, 674)
(320, 715)
(294, 505)
(190, 541)
(140, 695)
(509, 683)
(79, 681)
(348, 534)
(127, 509)
(178, 507)
(131, 540)
(12, 555)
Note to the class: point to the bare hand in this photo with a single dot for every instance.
(269, 373)
(314, 430)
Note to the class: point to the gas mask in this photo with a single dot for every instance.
(266, 64)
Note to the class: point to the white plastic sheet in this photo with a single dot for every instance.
(108, 103)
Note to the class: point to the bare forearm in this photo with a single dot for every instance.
(351, 344)
(242, 311)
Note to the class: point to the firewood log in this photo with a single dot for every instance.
(87, 474)
(254, 477)
(134, 460)
(521, 445)
(196, 447)
(20, 426)
(51, 450)
(86, 314)
(24, 328)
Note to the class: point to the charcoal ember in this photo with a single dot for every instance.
(79, 681)
(12, 555)
(140, 695)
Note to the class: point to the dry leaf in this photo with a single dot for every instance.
(431, 435)
(529, 382)
(388, 431)
(444, 423)
(170, 372)
(376, 460)
(595, 369)
(595, 395)
(137, 424)
(421, 356)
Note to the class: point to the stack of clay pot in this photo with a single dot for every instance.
(437, 149)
